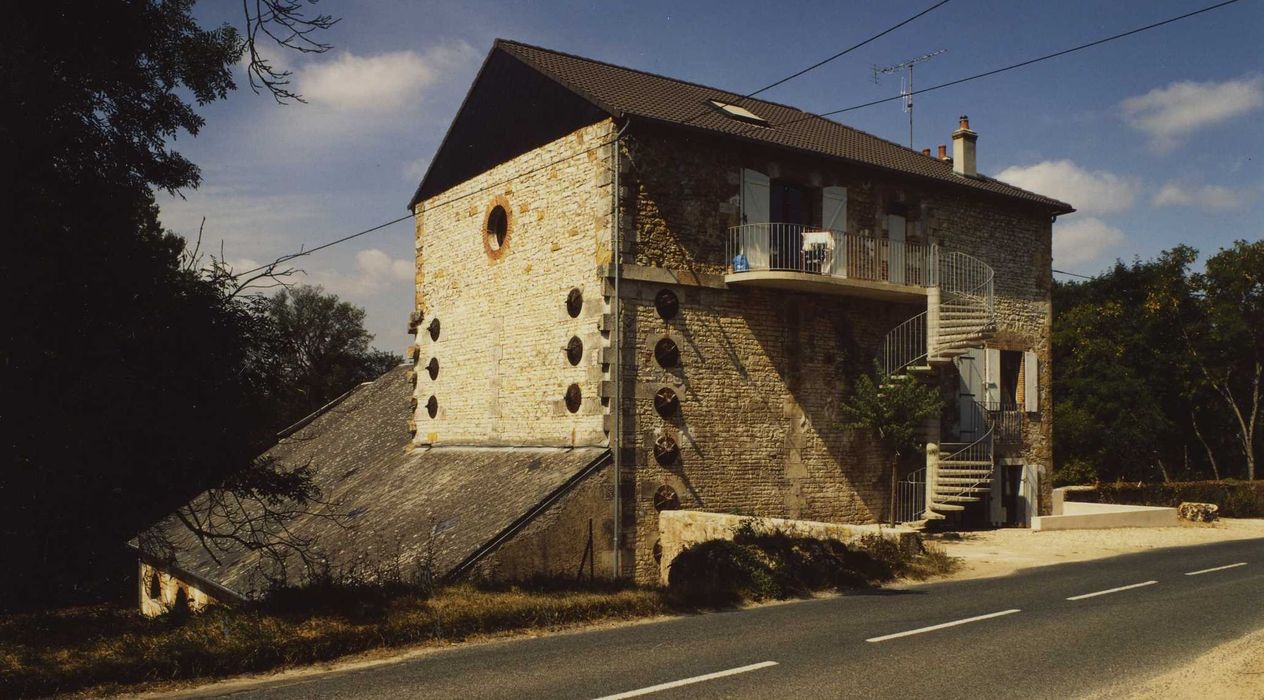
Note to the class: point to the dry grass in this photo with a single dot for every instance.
(104, 650)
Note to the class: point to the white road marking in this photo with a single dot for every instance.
(1112, 590)
(689, 681)
(1218, 568)
(932, 628)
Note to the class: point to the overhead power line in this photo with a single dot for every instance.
(820, 63)
(1015, 66)
(1073, 274)
(344, 239)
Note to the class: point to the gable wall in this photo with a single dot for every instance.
(503, 318)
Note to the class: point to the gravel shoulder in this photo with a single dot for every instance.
(1001, 552)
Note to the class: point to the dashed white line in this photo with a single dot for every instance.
(1218, 568)
(1112, 590)
(689, 681)
(932, 628)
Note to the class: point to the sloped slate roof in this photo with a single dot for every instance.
(391, 499)
(624, 91)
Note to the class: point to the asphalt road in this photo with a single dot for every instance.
(1051, 632)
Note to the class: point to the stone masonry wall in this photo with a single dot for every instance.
(501, 312)
(763, 370)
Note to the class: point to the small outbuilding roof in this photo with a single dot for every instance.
(386, 502)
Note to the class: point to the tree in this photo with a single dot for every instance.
(1156, 368)
(128, 372)
(321, 349)
(895, 410)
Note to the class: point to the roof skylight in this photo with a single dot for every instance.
(739, 113)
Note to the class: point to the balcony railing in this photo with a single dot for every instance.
(812, 250)
(1007, 422)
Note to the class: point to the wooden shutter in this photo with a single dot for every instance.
(1031, 382)
(756, 189)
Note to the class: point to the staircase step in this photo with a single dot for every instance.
(961, 491)
(959, 480)
(965, 464)
(940, 500)
(946, 507)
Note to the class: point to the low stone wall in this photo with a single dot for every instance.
(678, 529)
(1071, 515)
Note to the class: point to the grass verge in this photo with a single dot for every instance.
(105, 650)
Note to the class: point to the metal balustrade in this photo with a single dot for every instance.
(814, 250)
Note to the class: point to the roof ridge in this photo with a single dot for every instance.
(652, 74)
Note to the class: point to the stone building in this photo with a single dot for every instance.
(637, 294)
(689, 278)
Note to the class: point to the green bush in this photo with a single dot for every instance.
(1237, 499)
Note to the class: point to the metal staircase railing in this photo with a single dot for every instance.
(960, 316)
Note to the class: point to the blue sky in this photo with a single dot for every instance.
(1156, 138)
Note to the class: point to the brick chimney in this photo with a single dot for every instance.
(943, 152)
(963, 140)
(926, 152)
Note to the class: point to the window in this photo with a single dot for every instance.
(740, 114)
(497, 228)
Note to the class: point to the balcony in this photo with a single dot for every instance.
(809, 259)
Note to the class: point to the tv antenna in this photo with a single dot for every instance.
(906, 82)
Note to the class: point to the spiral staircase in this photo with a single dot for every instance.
(960, 316)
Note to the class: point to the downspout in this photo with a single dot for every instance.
(616, 344)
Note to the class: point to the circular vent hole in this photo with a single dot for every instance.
(433, 367)
(667, 304)
(574, 302)
(666, 402)
(574, 398)
(432, 406)
(667, 353)
(665, 498)
(666, 451)
(434, 329)
(497, 227)
(574, 350)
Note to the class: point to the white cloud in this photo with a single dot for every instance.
(375, 272)
(382, 82)
(1175, 194)
(1082, 240)
(1168, 114)
(1089, 191)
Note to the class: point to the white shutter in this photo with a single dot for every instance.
(897, 229)
(1031, 382)
(992, 385)
(834, 217)
(756, 190)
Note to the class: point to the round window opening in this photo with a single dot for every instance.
(667, 353)
(667, 304)
(666, 451)
(432, 406)
(497, 227)
(574, 350)
(434, 329)
(433, 367)
(666, 402)
(666, 498)
(574, 302)
(573, 398)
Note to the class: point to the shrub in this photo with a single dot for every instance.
(719, 573)
(1237, 499)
